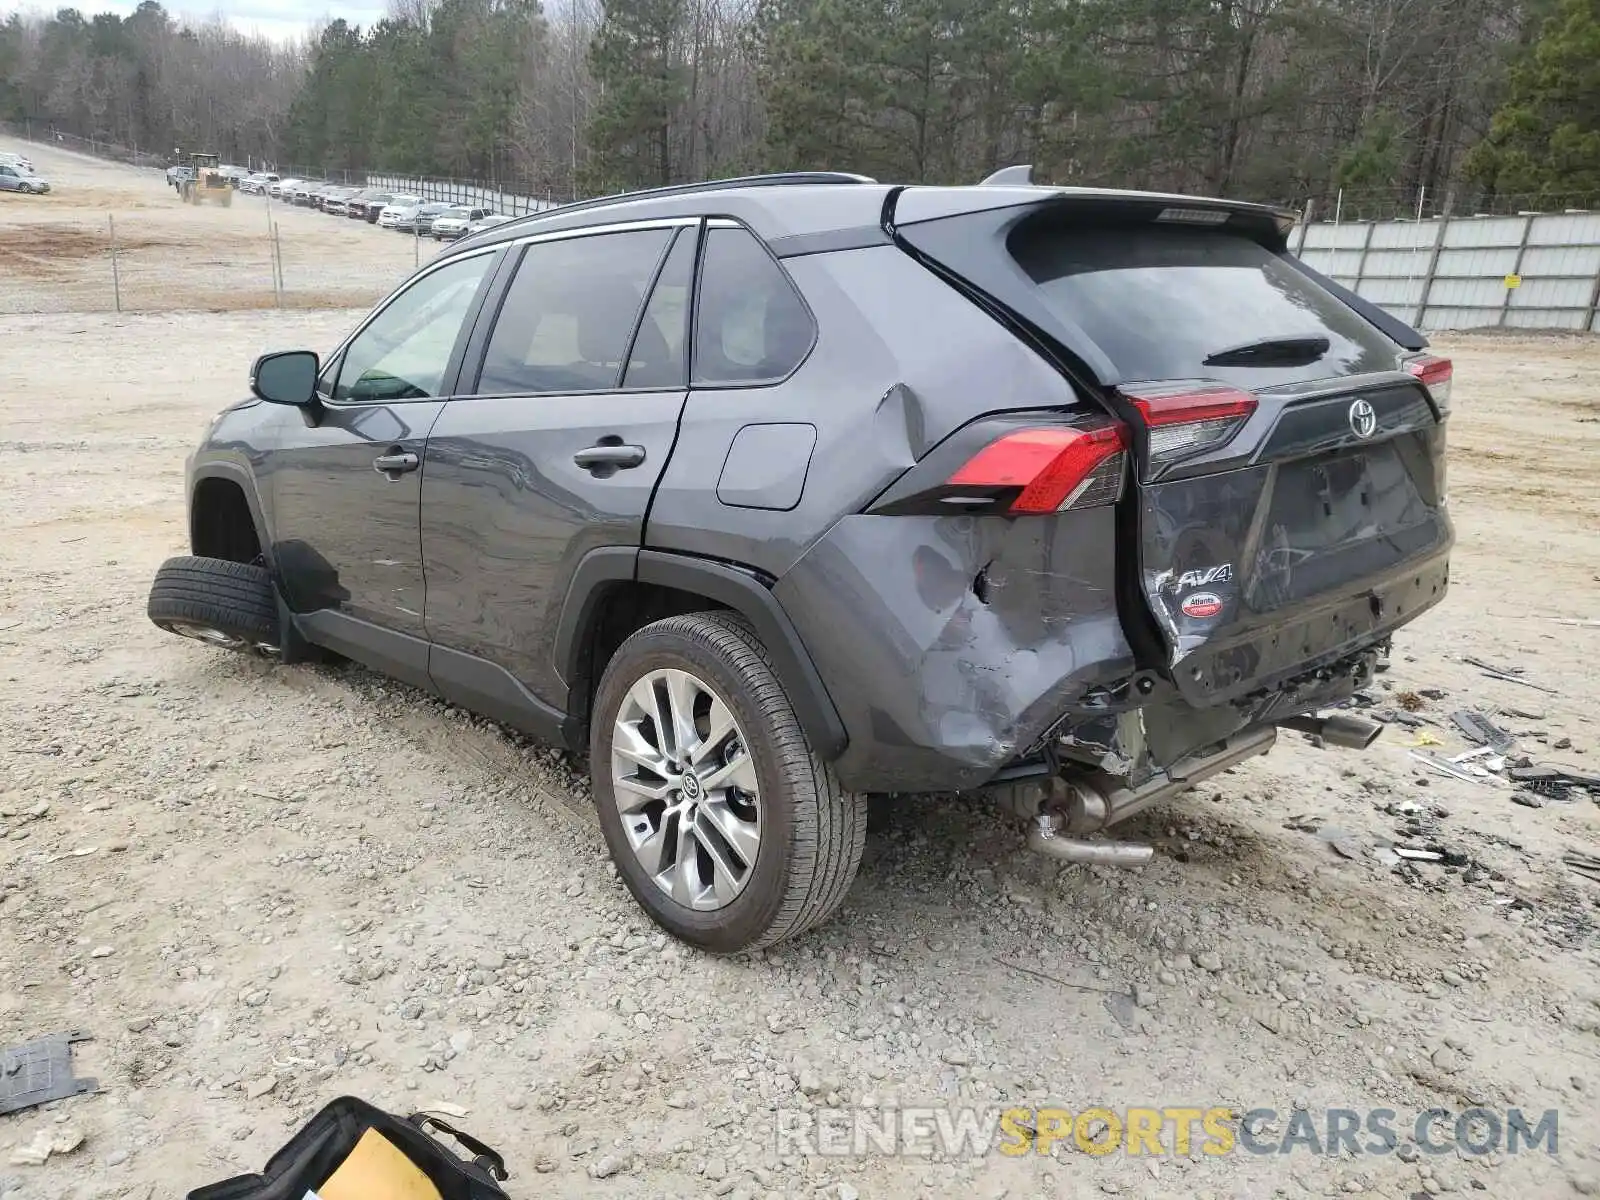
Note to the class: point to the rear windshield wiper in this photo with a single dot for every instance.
(1294, 351)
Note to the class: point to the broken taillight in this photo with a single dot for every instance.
(1436, 375)
(1186, 418)
(1054, 467)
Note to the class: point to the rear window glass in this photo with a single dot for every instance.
(1158, 301)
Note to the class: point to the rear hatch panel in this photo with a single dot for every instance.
(1299, 547)
(1318, 523)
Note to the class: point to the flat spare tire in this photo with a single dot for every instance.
(226, 604)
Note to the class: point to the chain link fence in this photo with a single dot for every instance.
(251, 255)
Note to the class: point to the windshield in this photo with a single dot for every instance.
(1159, 301)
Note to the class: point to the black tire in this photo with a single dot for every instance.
(812, 830)
(225, 604)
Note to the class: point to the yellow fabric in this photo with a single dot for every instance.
(377, 1170)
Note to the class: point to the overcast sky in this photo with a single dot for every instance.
(280, 20)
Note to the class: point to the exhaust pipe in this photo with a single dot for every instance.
(1088, 801)
(1045, 838)
(1341, 729)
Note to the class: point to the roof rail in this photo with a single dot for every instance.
(778, 179)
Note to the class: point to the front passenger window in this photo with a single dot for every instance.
(404, 353)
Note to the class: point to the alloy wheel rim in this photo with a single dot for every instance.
(686, 789)
(220, 638)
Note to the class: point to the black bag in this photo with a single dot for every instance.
(316, 1151)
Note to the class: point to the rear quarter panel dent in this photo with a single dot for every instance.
(950, 644)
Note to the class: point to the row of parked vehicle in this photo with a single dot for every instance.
(17, 175)
(377, 206)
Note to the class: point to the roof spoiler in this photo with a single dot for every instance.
(1396, 329)
(1010, 177)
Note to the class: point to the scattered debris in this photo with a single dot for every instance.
(1479, 728)
(1344, 842)
(1424, 738)
(1528, 799)
(63, 1139)
(40, 1071)
(1489, 666)
(1416, 854)
(1410, 701)
(1552, 780)
(1509, 674)
(1445, 767)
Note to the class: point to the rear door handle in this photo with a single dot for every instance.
(396, 463)
(607, 456)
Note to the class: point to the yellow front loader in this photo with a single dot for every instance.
(204, 182)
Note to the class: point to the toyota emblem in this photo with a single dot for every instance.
(1363, 419)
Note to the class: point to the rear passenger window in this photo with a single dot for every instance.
(751, 325)
(657, 356)
(568, 315)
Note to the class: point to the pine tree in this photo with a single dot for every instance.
(642, 85)
(1545, 140)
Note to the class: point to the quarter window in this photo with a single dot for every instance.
(751, 325)
(404, 352)
(569, 314)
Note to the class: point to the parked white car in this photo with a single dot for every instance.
(258, 183)
(398, 207)
(14, 159)
(488, 222)
(15, 178)
(453, 222)
(281, 189)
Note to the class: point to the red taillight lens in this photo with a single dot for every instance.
(1190, 405)
(1184, 419)
(1436, 375)
(1056, 468)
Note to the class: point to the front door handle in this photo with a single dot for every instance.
(608, 457)
(395, 463)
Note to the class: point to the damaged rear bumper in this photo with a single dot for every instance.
(955, 648)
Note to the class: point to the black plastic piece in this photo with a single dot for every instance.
(40, 1071)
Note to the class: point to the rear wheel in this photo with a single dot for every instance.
(225, 604)
(725, 826)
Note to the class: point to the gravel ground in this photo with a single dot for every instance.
(258, 888)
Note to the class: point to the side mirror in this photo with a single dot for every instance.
(288, 377)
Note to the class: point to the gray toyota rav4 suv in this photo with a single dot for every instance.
(773, 493)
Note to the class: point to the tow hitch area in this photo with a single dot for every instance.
(1064, 809)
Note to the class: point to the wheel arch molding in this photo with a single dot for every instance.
(724, 584)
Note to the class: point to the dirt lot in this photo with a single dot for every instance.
(56, 250)
(260, 888)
